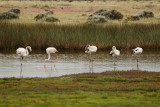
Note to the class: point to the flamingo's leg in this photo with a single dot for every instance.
(92, 63)
(56, 59)
(137, 63)
(114, 61)
(92, 59)
(21, 66)
(44, 64)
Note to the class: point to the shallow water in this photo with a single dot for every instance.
(74, 63)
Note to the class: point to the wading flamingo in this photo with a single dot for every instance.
(137, 51)
(49, 51)
(114, 52)
(22, 52)
(90, 49)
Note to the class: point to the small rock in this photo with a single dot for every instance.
(39, 16)
(112, 14)
(15, 10)
(96, 19)
(8, 15)
(51, 19)
(145, 14)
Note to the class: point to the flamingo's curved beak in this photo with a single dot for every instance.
(30, 50)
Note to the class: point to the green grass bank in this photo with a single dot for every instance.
(108, 89)
(76, 37)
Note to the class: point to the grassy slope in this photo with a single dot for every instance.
(131, 88)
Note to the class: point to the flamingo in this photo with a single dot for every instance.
(90, 49)
(137, 51)
(22, 52)
(50, 50)
(114, 52)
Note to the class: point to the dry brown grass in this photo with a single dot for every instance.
(72, 13)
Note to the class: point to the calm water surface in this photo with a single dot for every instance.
(74, 63)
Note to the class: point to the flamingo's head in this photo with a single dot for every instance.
(86, 48)
(29, 47)
(113, 48)
(132, 52)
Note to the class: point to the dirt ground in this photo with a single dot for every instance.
(76, 12)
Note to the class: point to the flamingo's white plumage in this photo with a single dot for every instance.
(22, 52)
(137, 51)
(114, 52)
(49, 51)
(90, 49)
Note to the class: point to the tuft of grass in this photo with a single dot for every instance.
(76, 37)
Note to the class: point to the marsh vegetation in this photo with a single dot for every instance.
(76, 37)
(71, 33)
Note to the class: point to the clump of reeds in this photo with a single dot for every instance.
(76, 37)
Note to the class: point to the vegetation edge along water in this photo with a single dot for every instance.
(76, 37)
(107, 89)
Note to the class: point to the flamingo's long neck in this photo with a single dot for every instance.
(49, 56)
(27, 52)
(114, 49)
